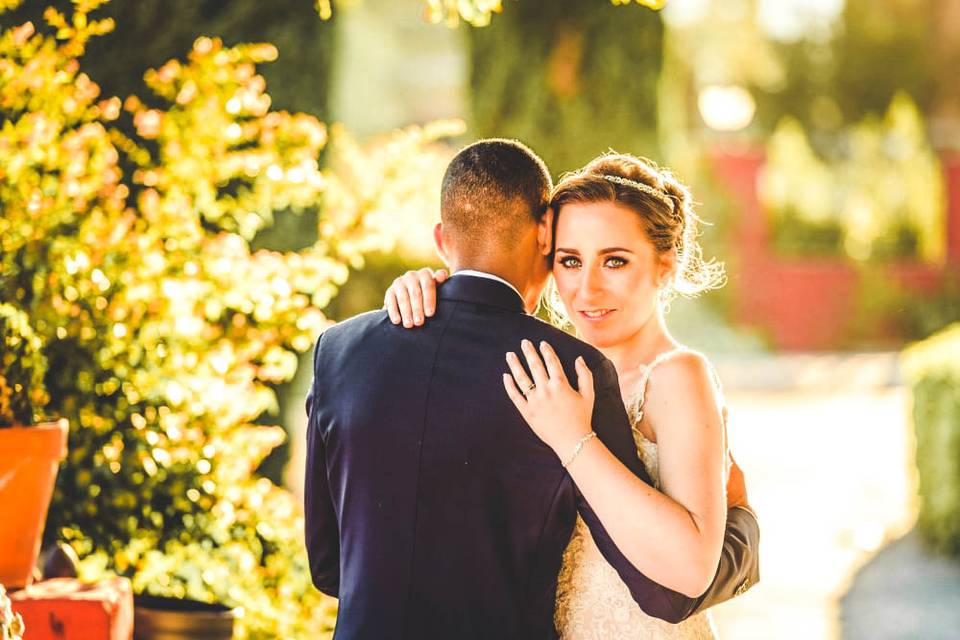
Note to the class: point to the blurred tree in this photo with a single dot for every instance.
(883, 48)
(155, 31)
(945, 111)
(475, 12)
(828, 70)
(570, 78)
(852, 69)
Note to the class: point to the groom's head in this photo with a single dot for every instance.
(492, 203)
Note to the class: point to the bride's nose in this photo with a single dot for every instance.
(591, 282)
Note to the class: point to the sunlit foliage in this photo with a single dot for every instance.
(22, 368)
(479, 12)
(884, 198)
(474, 12)
(164, 331)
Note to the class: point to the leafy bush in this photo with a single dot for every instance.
(933, 368)
(164, 330)
(23, 395)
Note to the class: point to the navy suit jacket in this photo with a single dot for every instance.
(432, 509)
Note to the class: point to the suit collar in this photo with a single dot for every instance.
(468, 288)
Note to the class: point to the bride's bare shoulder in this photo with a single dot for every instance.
(682, 367)
(685, 381)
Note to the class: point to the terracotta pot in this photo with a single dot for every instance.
(157, 618)
(29, 459)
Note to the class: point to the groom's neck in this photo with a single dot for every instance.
(523, 280)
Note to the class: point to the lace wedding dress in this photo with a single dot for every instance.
(592, 601)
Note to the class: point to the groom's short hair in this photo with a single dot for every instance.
(492, 189)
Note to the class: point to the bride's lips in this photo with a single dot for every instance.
(595, 315)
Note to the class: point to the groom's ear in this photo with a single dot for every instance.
(545, 232)
(440, 244)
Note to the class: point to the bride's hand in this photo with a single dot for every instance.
(559, 415)
(413, 296)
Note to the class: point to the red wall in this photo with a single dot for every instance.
(807, 304)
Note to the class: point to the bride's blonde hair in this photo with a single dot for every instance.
(666, 213)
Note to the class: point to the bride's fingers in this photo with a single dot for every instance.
(534, 363)
(552, 362)
(402, 296)
(392, 307)
(412, 282)
(440, 275)
(519, 401)
(429, 288)
(584, 379)
(519, 375)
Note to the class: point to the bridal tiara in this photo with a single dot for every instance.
(656, 193)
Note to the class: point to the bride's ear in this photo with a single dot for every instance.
(667, 267)
(545, 232)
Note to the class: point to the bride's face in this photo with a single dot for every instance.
(607, 271)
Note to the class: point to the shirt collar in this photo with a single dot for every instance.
(480, 288)
(484, 274)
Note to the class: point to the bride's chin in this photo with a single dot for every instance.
(599, 338)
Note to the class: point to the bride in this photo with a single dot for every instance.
(624, 244)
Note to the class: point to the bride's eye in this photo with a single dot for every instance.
(569, 262)
(616, 262)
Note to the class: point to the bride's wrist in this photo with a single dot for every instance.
(572, 444)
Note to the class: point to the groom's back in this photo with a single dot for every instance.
(451, 515)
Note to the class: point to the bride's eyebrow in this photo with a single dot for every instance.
(602, 252)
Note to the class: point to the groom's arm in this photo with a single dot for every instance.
(320, 519)
(738, 567)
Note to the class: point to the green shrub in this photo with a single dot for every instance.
(933, 369)
(23, 396)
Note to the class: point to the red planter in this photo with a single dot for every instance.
(29, 460)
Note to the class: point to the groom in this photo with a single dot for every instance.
(432, 509)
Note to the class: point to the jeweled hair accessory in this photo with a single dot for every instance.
(656, 193)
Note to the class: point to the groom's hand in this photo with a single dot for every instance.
(736, 486)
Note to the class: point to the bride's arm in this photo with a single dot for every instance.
(674, 538)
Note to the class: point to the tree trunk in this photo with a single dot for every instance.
(570, 78)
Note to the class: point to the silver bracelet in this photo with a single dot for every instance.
(577, 449)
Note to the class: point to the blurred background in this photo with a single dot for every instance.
(820, 137)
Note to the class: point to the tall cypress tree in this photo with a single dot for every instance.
(571, 78)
